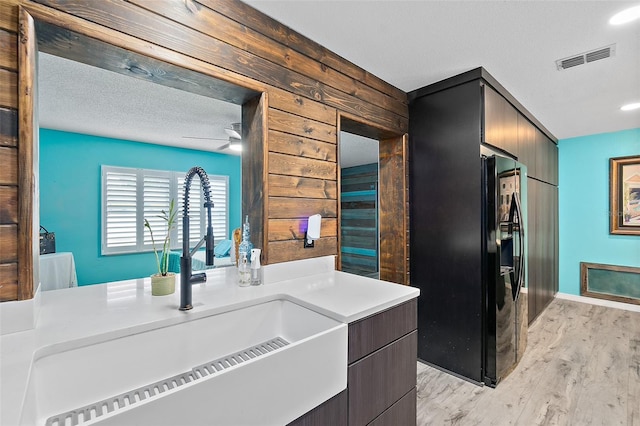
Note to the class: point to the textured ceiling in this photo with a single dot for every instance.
(80, 98)
(411, 44)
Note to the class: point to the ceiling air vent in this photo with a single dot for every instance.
(586, 57)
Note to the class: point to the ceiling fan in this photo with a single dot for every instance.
(234, 142)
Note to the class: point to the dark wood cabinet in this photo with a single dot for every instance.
(332, 412)
(477, 110)
(382, 366)
(500, 122)
(401, 413)
(526, 151)
(379, 380)
(542, 281)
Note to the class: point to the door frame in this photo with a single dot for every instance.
(393, 198)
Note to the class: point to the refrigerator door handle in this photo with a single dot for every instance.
(521, 262)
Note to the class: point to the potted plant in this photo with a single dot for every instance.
(163, 282)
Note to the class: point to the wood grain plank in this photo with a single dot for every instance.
(287, 143)
(8, 166)
(290, 165)
(8, 204)
(74, 46)
(9, 15)
(208, 21)
(301, 126)
(28, 144)
(252, 18)
(291, 208)
(300, 105)
(8, 282)
(8, 50)
(254, 168)
(8, 127)
(9, 243)
(8, 89)
(294, 229)
(142, 24)
(393, 216)
(300, 187)
(284, 251)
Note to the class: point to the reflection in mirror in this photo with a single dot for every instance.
(114, 150)
(359, 198)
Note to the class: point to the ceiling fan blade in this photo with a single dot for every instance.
(203, 138)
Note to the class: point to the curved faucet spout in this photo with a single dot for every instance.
(186, 276)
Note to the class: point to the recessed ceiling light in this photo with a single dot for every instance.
(629, 107)
(625, 16)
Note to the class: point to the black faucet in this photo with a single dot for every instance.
(186, 277)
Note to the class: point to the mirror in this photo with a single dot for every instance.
(100, 105)
(359, 200)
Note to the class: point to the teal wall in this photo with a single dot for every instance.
(584, 205)
(70, 195)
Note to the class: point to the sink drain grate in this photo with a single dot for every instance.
(101, 408)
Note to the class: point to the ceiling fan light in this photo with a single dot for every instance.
(625, 16)
(235, 144)
(630, 107)
(232, 133)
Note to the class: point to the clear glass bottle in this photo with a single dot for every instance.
(244, 273)
(244, 253)
(244, 249)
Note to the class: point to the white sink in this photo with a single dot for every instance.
(275, 387)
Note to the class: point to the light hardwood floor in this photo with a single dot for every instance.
(581, 367)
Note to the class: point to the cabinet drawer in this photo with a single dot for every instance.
(331, 412)
(402, 413)
(372, 333)
(377, 381)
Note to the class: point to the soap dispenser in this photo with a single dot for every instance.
(256, 268)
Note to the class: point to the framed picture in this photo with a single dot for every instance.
(624, 183)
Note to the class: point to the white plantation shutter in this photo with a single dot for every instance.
(220, 211)
(120, 206)
(131, 195)
(156, 198)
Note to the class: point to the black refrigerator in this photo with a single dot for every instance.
(503, 262)
(467, 245)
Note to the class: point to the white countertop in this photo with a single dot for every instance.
(120, 308)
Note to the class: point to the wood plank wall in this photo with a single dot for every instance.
(306, 85)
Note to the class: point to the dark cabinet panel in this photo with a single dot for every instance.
(526, 150)
(500, 122)
(532, 258)
(553, 154)
(331, 412)
(402, 413)
(379, 380)
(372, 333)
(542, 227)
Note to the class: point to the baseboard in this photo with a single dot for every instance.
(599, 302)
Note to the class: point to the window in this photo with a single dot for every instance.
(131, 195)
